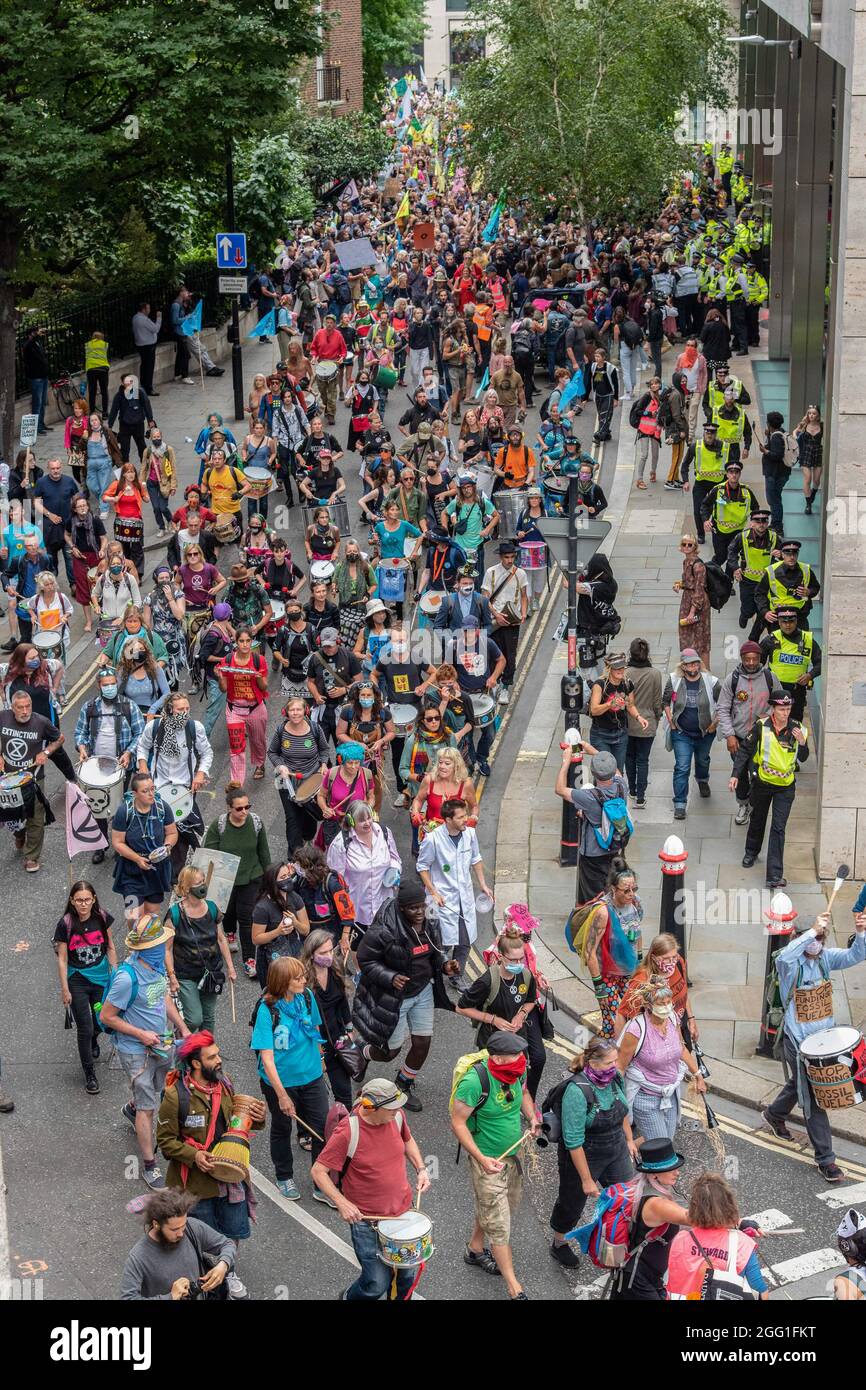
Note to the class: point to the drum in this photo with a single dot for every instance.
(405, 718)
(555, 489)
(485, 710)
(260, 481)
(179, 799)
(128, 528)
(325, 370)
(835, 1062)
(49, 643)
(231, 1153)
(510, 506)
(386, 378)
(409, 546)
(391, 579)
(431, 602)
(406, 1241)
(307, 790)
(533, 555)
(101, 780)
(279, 618)
(226, 528)
(338, 515)
(16, 796)
(321, 572)
(485, 478)
(106, 628)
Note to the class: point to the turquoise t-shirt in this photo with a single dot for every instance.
(296, 1043)
(476, 516)
(391, 542)
(13, 538)
(574, 1110)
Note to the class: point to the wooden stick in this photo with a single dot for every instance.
(314, 1132)
(522, 1140)
(232, 993)
(790, 1231)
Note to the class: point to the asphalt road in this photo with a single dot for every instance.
(70, 1159)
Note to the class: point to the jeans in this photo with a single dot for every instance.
(646, 444)
(615, 743)
(817, 1123)
(311, 1103)
(216, 703)
(39, 400)
(685, 747)
(230, 1219)
(773, 488)
(100, 476)
(161, 509)
(637, 756)
(628, 364)
(85, 994)
(147, 362)
(375, 1277)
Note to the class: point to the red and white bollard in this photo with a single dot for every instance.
(674, 856)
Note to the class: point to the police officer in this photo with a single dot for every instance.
(714, 396)
(737, 294)
(725, 167)
(775, 747)
(750, 554)
(710, 457)
(726, 509)
(758, 294)
(733, 425)
(794, 658)
(788, 583)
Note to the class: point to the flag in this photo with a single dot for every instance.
(573, 390)
(491, 230)
(265, 327)
(400, 87)
(485, 382)
(405, 208)
(83, 835)
(192, 323)
(405, 113)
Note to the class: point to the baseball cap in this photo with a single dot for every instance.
(689, 654)
(221, 612)
(383, 1094)
(603, 765)
(329, 637)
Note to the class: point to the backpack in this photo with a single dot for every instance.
(719, 583)
(470, 1061)
(616, 826)
(609, 1244)
(551, 1106)
(336, 1115)
(254, 817)
(545, 407)
(495, 986)
(127, 969)
(632, 334)
(665, 416)
(735, 680)
(724, 1285)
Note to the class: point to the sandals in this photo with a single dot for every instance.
(258, 774)
(641, 484)
(652, 477)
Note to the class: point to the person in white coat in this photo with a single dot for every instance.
(176, 751)
(446, 860)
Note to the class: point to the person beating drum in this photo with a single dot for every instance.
(108, 727)
(803, 968)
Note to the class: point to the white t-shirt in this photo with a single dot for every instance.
(510, 592)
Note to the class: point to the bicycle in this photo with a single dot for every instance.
(66, 392)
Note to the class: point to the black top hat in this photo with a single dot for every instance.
(658, 1156)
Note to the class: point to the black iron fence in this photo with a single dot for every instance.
(72, 319)
(329, 83)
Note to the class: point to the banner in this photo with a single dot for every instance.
(83, 835)
(192, 323)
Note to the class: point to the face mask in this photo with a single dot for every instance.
(294, 615)
(33, 664)
(667, 967)
(198, 890)
(662, 1010)
(514, 967)
(366, 702)
(154, 956)
(283, 884)
(601, 1077)
(813, 949)
(512, 1070)
(324, 960)
(115, 569)
(138, 653)
(467, 588)
(109, 692)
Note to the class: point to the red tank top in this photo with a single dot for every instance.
(434, 803)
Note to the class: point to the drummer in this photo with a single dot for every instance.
(175, 750)
(803, 968)
(528, 531)
(480, 665)
(27, 741)
(391, 534)
(402, 682)
(324, 483)
(506, 587)
(365, 719)
(354, 584)
(444, 560)
(322, 539)
(411, 501)
(108, 727)
(321, 611)
(471, 517)
(328, 348)
(298, 750)
(283, 579)
(51, 611)
(248, 600)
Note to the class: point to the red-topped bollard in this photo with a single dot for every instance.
(781, 916)
(672, 917)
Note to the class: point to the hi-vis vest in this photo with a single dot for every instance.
(733, 288)
(716, 394)
(757, 559)
(730, 1252)
(758, 287)
(95, 354)
(725, 163)
(791, 657)
(730, 513)
(709, 464)
(728, 430)
(775, 763)
(712, 287)
(779, 594)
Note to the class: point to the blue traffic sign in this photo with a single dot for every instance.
(231, 249)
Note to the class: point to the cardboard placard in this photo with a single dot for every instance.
(220, 870)
(832, 1085)
(813, 1005)
(391, 188)
(423, 236)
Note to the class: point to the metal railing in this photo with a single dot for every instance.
(329, 83)
(72, 319)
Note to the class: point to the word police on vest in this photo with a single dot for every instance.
(77, 1343)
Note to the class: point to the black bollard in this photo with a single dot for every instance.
(674, 857)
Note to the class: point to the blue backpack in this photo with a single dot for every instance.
(616, 826)
(124, 969)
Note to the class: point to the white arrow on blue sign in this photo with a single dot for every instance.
(231, 249)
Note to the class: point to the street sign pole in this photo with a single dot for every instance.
(237, 361)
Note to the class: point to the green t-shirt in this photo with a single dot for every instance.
(476, 515)
(574, 1110)
(496, 1126)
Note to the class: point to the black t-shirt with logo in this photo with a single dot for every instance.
(398, 680)
(86, 942)
(21, 741)
(612, 721)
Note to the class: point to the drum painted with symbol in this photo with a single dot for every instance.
(485, 710)
(391, 579)
(533, 555)
(406, 1241)
(101, 780)
(260, 480)
(16, 796)
(835, 1062)
(405, 718)
(179, 799)
(49, 643)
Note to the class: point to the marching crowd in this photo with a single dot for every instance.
(364, 663)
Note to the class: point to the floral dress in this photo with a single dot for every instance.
(693, 599)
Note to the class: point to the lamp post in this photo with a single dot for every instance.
(237, 363)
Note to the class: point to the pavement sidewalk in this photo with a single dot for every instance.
(725, 941)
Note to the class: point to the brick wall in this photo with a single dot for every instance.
(343, 47)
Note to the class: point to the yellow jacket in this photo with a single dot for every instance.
(95, 354)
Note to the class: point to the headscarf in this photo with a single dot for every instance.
(173, 724)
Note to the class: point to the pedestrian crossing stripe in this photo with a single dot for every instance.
(838, 1197)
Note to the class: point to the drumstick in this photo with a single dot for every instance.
(789, 1231)
(841, 874)
(522, 1140)
(232, 993)
(316, 1135)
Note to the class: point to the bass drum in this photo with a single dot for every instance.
(835, 1063)
(510, 506)
(101, 780)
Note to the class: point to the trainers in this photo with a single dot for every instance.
(640, 803)
(232, 939)
(412, 1101)
(91, 1085)
(128, 1113)
(31, 866)
(679, 813)
(779, 1128)
(399, 803)
(153, 1177)
(504, 695)
(289, 1189)
(564, 1255)
(320, 1196)
(831, 1172)
(187, 381)
(250, 969)
(744, 810)
(483, 767)
(236, 1287)
(484, 1260)
(704, 789)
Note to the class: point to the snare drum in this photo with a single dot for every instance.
(406, 1241)
(260, 480)
(485, 478)
(306, 791)
(49, 643)
(533, 555)
(321, 572)
(128, 528)
(485, 710)
(179, 799)
(325, 371)
(226, 528)
(278, 619)
(101, 780)
(405, 718)
(429, 606)
(835, 1062)
(16, 796)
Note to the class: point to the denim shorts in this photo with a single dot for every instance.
(416, 1017)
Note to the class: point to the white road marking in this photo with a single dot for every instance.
(838, 1197)
(303, 1218)
(813, 1262)
(771, 1220)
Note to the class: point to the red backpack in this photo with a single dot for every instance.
(609, 1244)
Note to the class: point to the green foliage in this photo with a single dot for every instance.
(390, 31)
(599, 85)
(342, 147)
(271, 190)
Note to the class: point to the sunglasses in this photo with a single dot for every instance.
(245, 807)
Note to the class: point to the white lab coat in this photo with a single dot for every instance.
(450, 870)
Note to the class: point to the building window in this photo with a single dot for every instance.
(329, 83)
(466, 46)
(461, 5)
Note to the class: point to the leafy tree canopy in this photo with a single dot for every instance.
(391, 30)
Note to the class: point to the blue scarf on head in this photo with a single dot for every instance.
(154, 956)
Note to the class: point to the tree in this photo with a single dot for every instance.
(271, 190)
(97, 99)
(391, 30)
(599, 86)
(353, 146)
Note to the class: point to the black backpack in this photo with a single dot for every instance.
(664, 416)
(551, 1106)
(720, 585)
